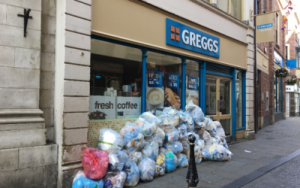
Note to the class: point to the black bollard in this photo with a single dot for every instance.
(192, 175)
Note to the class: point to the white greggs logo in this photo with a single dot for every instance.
(182, 36)
(196, 40)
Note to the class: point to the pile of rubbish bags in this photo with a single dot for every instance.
(151, 147)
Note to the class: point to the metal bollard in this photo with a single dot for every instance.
(192, 174)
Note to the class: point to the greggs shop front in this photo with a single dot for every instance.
(144, 59)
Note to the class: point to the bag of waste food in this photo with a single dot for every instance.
(135, 157)
(115, 179)
(132, 173)
(132, 136)
(195, 111)
(175, 147)
(160, 164)
(147, 169)
(182, 129)
(171, 161)
(216, 152)
(211, 127)
(110, 141)
(159, 136)
(172, 135)
(150, 150)
(81, 181)
(117, 160)
(173, 115)
(182, 161)
(95, 163)
(148, 123)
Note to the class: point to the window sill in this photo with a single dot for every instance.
(241, 128)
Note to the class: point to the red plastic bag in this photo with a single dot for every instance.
(95, 163)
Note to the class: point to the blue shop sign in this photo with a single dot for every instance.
(188, 38)
(192, 83)
(291, 64)
(155, 79)
(173, 80)
(264, 26)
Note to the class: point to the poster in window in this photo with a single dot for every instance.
(155, 79)
(192, 87)
(172, 80)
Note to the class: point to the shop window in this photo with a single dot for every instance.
(163, 81)
(192, 81)
(115, 86)
(239, 99)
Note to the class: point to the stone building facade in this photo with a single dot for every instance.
(45, 83)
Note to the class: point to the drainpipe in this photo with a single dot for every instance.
(255, 72)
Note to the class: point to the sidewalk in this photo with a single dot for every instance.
(270, 144)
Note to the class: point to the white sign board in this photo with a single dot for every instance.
(128, 107)
(105, 104)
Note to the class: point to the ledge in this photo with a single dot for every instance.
(7, 112)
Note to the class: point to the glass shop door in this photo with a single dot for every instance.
(218, 101)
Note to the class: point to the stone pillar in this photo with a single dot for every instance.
(25, 158)
(72, 85)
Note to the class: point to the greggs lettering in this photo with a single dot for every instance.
(188, 38)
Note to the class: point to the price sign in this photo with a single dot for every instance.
(155, 79)
(192, 83)
(173, 81)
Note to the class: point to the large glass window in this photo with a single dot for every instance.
(239, 99)
(192, 81)
(115, 85)
(163, 81)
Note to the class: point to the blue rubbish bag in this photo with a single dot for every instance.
(132, 172)
(81, 181)
(171, 161)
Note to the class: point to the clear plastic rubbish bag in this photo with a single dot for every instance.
(175, 147)
(171, 161)
(172, 135)
(132, 173)
(205, 136)
(110, 141)
(216, 152)
(148, 123)
(147, 168)
(132, 136)
(182, 129)
(198, 154)
(117, 160)
(150, 150)
(211, 127)
(182, 161)
(173, 114)
(115, 179)
(185, 147)
(94, 163)
(160, 164)
(81, 181)
(159, 136)
(195, 111)
(135, 157)
(166, 121)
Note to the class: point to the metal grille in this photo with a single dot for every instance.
(219, 68)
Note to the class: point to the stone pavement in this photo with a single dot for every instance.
(287, 175)
(271, 144)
